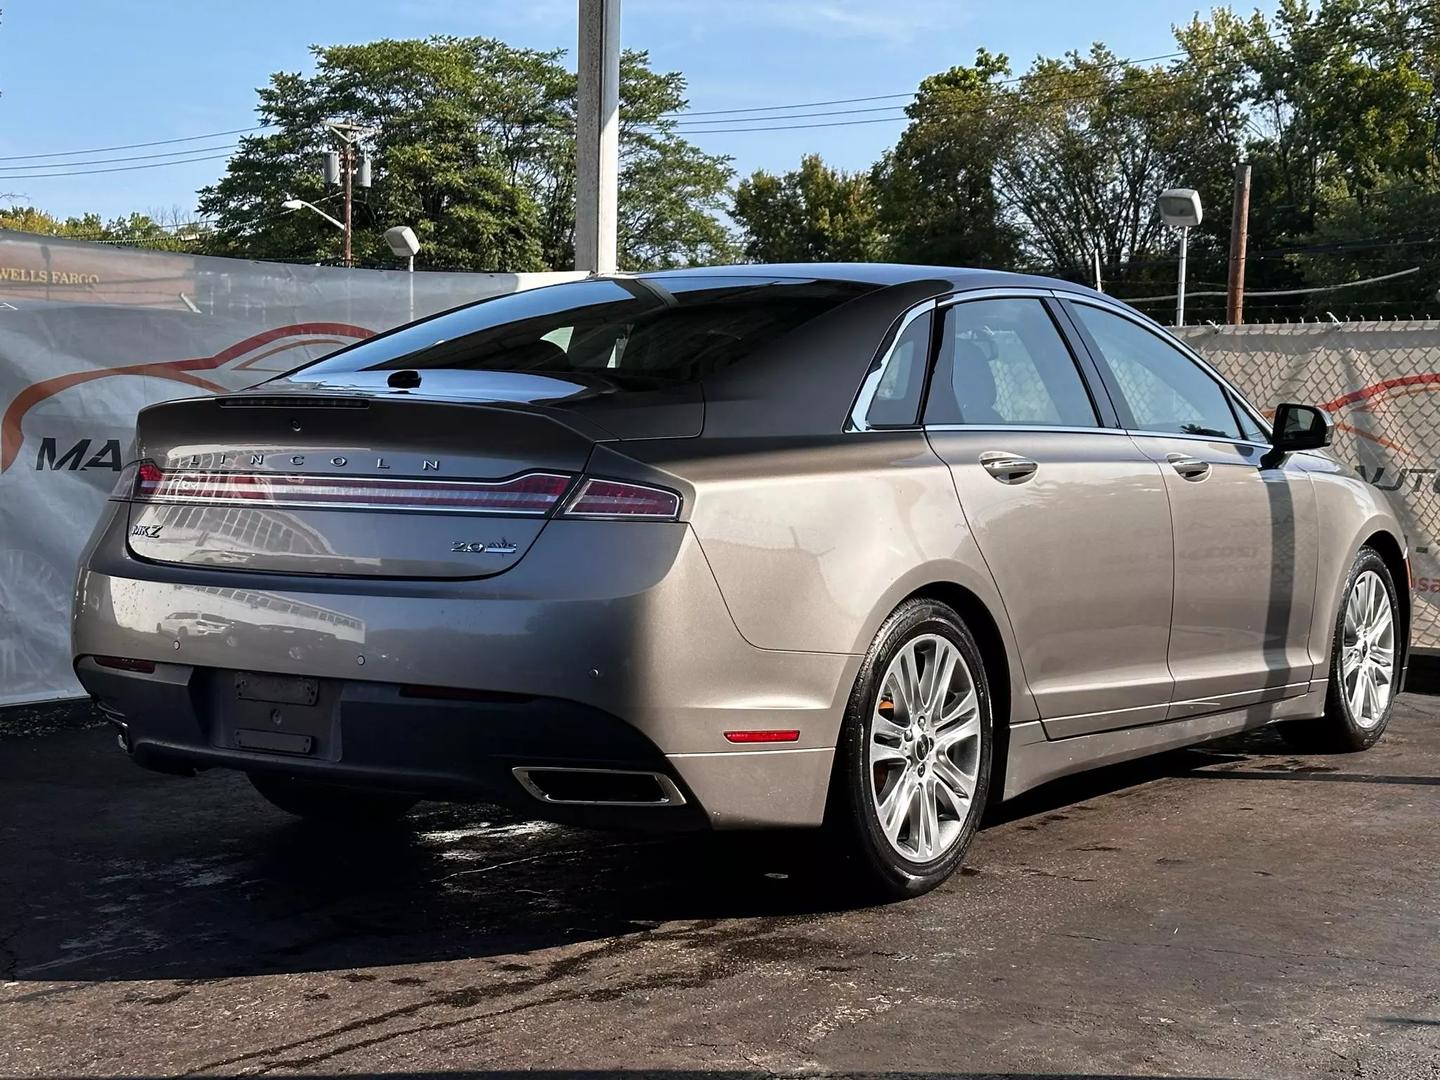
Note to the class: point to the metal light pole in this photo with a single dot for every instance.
(1180, 208)
(597, 135)
(301, 204)
(403, 242)
(1180, 290)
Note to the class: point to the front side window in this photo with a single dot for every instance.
(1250, 428)
(648, 331)
(1003, 361)
(1161, 389)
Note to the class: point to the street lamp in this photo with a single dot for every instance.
(1180, 208)
(403, 243)
(301, 204)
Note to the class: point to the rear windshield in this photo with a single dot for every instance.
(661, 329)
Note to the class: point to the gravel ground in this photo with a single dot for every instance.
(1230, 911)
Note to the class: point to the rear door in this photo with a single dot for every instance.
(1071, 517)
(1245, 534)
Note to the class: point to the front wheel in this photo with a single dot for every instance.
(1364, 664)
(913, 768)
(330, 803)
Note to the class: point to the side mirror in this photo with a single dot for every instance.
(1297, 427)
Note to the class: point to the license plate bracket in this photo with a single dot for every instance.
(273, 742)
(276, 689)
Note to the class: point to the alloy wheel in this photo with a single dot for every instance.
(1367, 656)
(924, 748)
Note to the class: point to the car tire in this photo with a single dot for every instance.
(1358, 702)
(886, 743)
(331, 803)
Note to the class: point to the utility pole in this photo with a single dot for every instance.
(1239, 230)
(597, 135)
(346, 166)
(350, 136)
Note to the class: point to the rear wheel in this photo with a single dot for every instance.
(1364, 664)
(913, 768)
(331, 803)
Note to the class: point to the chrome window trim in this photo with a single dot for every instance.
(1031, 428)
(1196, 438)
(1137, 433)
(865, 396)
(1147, 323)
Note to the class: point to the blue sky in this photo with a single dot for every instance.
(96, 73)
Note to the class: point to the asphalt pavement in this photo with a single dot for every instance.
(1229, 911)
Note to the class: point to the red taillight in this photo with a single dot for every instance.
(532, 493)
(789, 735)
(124, 489)
(125, 663)
(614, 499)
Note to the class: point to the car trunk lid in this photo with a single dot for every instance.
(363, 484)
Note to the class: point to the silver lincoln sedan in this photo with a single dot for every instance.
(861, 548)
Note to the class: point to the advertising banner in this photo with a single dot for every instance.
(89, 335)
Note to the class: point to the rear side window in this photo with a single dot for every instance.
(897, 399)
(1161, 389)
(648, 330)
(1003, 361)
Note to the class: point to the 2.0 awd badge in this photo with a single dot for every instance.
(484, 547)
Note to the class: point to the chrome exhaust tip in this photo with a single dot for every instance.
(116, 720)
(598, 787)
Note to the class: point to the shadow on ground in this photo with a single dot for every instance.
(121, 874)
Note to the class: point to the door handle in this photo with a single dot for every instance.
(1188, 467)
(1007, 468)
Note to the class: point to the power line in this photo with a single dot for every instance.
(113, 160)
(1117, 62)
(794, 127)
(1201, 66)
(123, 168)
(797, 105)
(132, 146)
(1280, 292)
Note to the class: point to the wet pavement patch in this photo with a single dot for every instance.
(1234, 910)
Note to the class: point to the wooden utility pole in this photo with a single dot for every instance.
(350, 136)
(1239, 229)
(346, 161)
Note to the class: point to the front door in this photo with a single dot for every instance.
(1245, 534)
(1071, 517)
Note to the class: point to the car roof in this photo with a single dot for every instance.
(950, 277)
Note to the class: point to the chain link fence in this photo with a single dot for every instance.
(1378, 380)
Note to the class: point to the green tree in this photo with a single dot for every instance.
(474, 149)
(1093, 140)
(811, 213)
(140, 230)
(938, 200)
(1342, 105)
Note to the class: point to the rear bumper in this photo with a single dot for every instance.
(636, 667)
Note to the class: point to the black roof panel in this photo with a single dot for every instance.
(954, 277)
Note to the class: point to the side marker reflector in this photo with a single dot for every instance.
(762, 736)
